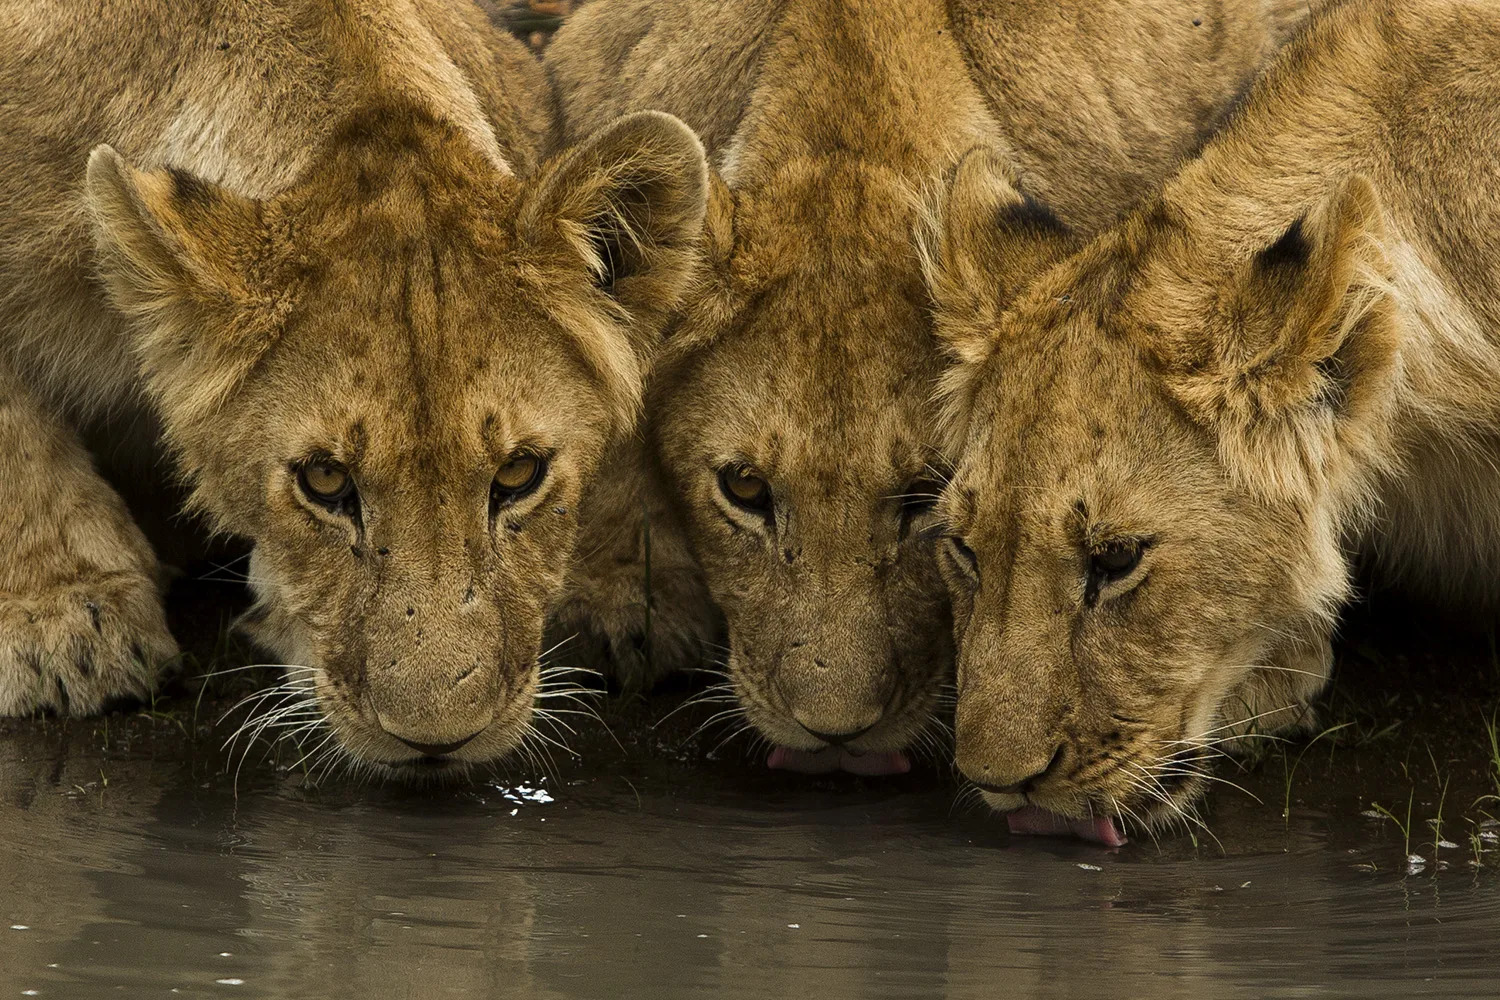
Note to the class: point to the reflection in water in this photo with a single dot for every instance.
(668, 879)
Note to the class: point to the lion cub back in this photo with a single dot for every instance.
(1095, 102)
(1130, 88)
(696, 59)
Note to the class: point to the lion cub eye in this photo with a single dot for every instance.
(517, 478)
(745, 488)
(1116, 560)
(919, 497)
(326, 483)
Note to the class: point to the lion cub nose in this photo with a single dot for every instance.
(837, 735)
(1022, 777)
(437, 749)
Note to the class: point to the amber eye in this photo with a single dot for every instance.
(325, 482)
(745, 488)
(517, 478)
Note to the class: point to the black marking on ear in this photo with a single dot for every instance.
(1029, 216)
(1291, 250)
(1334, 391)
(189, 188)
(607, 246)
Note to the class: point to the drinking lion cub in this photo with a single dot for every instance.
(1172, 440)
(792, 412)
(374, 349)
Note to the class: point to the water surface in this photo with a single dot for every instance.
(132, 864)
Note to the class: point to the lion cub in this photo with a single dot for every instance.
(1174, 440)
(791, 417)
(313, 242)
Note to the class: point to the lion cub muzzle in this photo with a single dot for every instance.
(834, 688)
(434, 672)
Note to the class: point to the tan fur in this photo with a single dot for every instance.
(808, 352)
(306, 232)
(1289, 355)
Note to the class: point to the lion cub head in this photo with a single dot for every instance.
(1162, 441)
(793, 417)
(396, 378)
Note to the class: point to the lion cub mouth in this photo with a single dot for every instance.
(831, 758)
(1034, 821)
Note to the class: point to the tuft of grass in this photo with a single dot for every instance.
(1492, 731)
(1403, 826)
(1290, 773)
(1437, 822)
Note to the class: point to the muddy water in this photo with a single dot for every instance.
(132, 865)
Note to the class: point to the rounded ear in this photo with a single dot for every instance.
(980, 242)
(1306, 340)
(625, 208)
(174, 252)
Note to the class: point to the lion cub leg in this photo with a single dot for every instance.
(81, 619)
(636, 600)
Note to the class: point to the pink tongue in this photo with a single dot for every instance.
(1033, 821)
(831, 759)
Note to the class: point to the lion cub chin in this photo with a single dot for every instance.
(394, 370)
(1173, 441)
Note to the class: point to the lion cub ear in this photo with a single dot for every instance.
(982, 241)
(1307, 339)
(174, 253)
(626, 208)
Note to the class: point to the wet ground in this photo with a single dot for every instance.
(133, 864)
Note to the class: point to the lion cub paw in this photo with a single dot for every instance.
(611, 624)
(77, 649)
